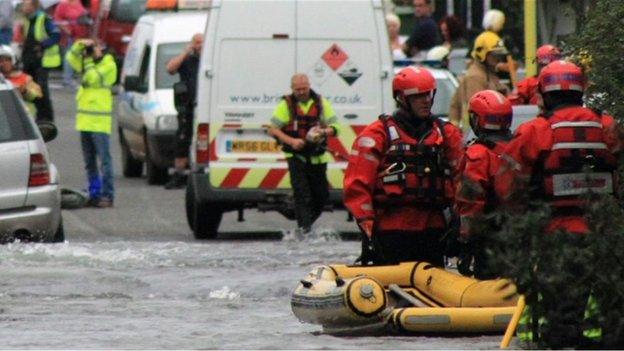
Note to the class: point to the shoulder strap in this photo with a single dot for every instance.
(318, 100)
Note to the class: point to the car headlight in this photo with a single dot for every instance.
(167, 122)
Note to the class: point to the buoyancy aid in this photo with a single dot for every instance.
(413, 172)
(495, 143)
(300, 123)
(578, 162)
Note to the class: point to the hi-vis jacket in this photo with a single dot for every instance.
(400, 181)
(525, 92)
(94, 98)
(51, 51)
(559, 157)
(296, 118)
(475, 194)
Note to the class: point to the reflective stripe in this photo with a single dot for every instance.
(276, 122)
(371, 157)
(97, 113)
(492, 126)
(367, 207)
(331, 120)
(394, 135)
(559, 146)
(576, 124)
(354, 152)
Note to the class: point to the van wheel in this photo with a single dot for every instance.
(59, 236)
(203, 219)
(132, 168)
(155, 174)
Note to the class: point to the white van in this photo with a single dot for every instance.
(251, 50)
(146, 113)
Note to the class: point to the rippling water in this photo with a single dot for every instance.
(222, 294)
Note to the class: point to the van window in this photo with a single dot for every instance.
(13, 123)
(127, 10)
(143, 73)
(166, 52)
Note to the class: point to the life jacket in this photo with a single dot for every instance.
(413, 173)
(495, 142)
(300, 123)
(18, 79)
(579, 161)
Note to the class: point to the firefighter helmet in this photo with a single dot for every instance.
(547, 54)
(489, 110)
(487, 42)
(413, 80)
(561, 75)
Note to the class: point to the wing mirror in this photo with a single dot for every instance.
(48, 130)
(134, 83)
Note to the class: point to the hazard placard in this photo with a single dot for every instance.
(335, 57)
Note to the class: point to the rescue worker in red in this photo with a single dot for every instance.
(525, 92)
(490, 117)
(399, 179)
(564, 152)
(559, 157)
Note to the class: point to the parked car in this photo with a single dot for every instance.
(30, 199)
(146, 113)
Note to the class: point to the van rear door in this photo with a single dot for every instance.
(345, 61)
(253, 59)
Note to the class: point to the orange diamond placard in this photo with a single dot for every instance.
(335, 57)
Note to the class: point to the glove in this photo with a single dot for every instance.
(465, 258)
(315, 135)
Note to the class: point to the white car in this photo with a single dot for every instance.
(30, 199)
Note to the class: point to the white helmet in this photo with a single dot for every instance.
(494, 20)
(6, 50)
(437, 53)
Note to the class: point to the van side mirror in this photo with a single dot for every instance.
(48, 130)
(133, 83)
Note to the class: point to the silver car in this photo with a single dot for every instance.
(30, 199)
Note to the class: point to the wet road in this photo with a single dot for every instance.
(134, 277)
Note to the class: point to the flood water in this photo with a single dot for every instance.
(227, 294)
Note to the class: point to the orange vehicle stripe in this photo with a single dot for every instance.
(273, 178)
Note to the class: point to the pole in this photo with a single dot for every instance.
(530, 36)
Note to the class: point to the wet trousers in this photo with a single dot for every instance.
(310, 188)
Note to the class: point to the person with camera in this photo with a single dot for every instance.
(94, 101)
(186, 64)
(40, 52)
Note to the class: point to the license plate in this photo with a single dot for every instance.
(251, 146)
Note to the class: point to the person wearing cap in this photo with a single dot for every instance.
(489, 52)
(525, 92)
(23, 82)
(94, 101)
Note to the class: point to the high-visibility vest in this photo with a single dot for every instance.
(51, 55)
(94, 98)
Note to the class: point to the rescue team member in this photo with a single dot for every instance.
(562, 154)
(186, 64)
(525, 92)
(94, 101)
(490, 119)
(489, 52)
(302, 122)
(28, 89)
(399, 179)
(40, 52)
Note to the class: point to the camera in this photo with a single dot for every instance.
(89, 50)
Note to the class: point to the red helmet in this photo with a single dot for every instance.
(490, 110)
(547, 54)
(561, 75)
(413, 80)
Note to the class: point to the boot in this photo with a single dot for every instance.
(177, 181)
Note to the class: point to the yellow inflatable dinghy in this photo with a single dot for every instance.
(411, 297)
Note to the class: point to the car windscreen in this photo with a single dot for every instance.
(166, 52)
(14, 125)
(442, 100)
(127, 10)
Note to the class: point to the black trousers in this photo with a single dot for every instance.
(391, 247)
(184, 134)
(43, 104)
(310, 188)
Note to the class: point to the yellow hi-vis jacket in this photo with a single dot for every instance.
(94, 99)
(52, 55)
